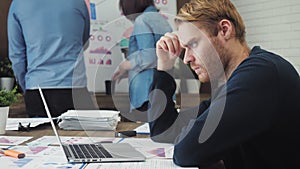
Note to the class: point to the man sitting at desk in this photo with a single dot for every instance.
(252, 119)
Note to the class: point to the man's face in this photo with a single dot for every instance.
(201, 52)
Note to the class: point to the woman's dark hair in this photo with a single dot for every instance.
(132, 8)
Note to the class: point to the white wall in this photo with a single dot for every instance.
(274, 25)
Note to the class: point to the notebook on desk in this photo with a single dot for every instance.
(104, 152)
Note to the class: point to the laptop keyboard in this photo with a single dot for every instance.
(87, 151)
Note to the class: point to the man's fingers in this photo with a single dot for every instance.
(167, 44)
(170, 43)
(162, 45)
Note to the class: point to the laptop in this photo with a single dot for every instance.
(89, 153)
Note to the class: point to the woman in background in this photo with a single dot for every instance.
(149, 26)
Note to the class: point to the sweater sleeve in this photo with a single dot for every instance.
(165, 122)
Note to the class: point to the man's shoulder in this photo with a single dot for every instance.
(265, 66)
(258, 65)
(261, 57)
(264, 55)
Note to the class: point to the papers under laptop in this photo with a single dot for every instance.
(104, 152)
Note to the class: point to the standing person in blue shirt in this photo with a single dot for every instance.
(252, 118)
(149, 26)
(46, 40)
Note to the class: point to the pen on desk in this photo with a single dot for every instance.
(12, 153)
(125, 134)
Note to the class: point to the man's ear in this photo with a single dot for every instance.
(226, 29)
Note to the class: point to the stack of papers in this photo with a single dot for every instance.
(89, 120)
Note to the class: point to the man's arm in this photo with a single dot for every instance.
(165, 122)
(162, 113)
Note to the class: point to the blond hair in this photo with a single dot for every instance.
(209, 13)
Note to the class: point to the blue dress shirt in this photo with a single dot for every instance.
(46, 38)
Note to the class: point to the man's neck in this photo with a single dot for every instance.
(238, 55)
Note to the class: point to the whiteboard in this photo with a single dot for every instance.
(108, 29)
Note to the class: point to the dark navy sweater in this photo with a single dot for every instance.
(251, 122)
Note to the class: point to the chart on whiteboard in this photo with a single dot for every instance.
(110, 32)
